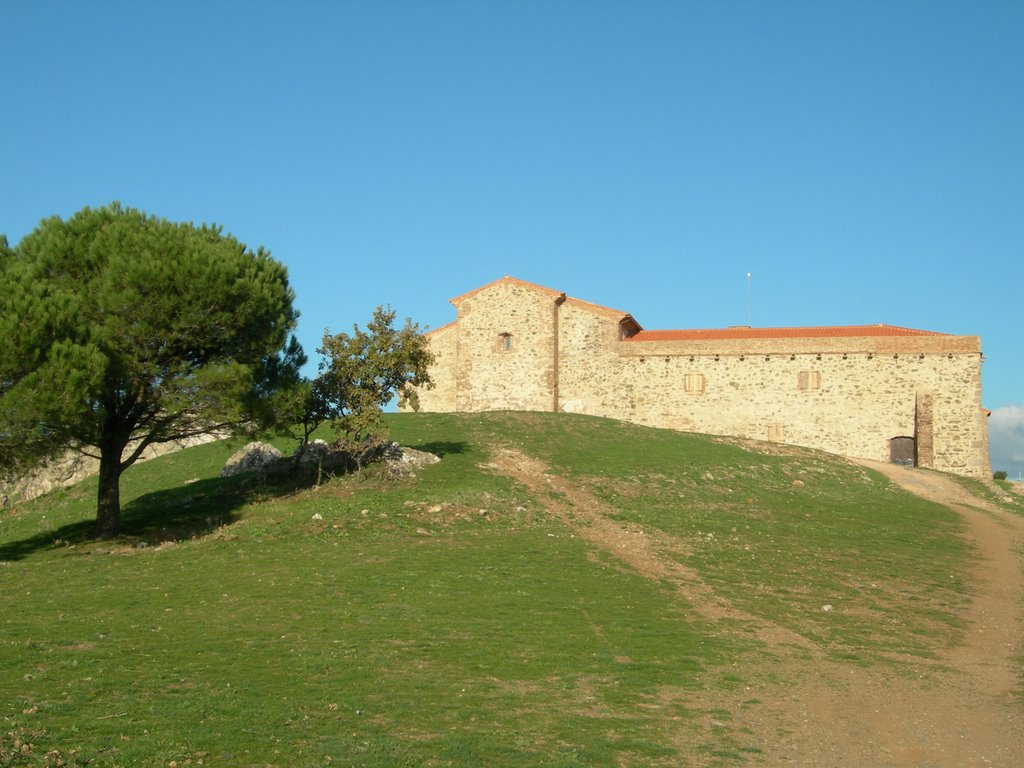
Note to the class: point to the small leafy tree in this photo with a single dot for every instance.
(300, 410)
(121, 330)
(362, 372)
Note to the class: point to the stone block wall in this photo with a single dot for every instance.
(506, 346)
(589, 374)
(847, 395)
(848, 403)
(441, 398)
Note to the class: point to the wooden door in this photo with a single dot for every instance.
(901, 451)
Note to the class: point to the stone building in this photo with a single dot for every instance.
(873, 391)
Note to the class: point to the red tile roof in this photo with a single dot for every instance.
(746, 332)
(710, 334)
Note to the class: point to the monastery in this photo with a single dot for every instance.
(872, 391)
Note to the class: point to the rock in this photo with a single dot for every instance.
(708, 476)
(254, 457)
(798, 483)
(313, 452)
(74, 467)
(827, 608)
(403, 462)
(348, 456)
(318, 516)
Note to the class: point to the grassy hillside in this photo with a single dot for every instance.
(457, 618)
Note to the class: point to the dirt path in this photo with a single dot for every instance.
(644, 551)
(829, 714)
(996, 616)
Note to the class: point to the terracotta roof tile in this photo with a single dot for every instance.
(745, 332)
(710, 334)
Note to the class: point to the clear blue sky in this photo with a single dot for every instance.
(863, 160)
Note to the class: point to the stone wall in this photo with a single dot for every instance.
(505, 349)
(851, 404)
(523, 347)
(443, 344)
(591, 377)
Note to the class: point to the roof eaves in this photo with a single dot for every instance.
(840, 331)
(505, 279)
(618, 314)
(440, 328)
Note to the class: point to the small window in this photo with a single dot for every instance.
(808, 380)
(504, 342)
(693, 384)
(776, 433)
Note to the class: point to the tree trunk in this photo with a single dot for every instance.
(108, 502)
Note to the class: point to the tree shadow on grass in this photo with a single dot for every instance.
(189, 510)
(173, 514)
(442, 448)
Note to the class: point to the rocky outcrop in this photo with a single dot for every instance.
(254, 457)
(321, 456)
(405, 461)
(73, 467)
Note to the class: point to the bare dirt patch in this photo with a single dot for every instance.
(965, 709)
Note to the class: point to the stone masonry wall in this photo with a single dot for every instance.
(506, 349)
(851, 405)
(590, 376)
(442, 397)
(850, 396)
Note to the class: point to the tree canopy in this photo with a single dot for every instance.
(122, 329)
(362, 372)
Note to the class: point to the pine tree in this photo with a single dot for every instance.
(122, 329)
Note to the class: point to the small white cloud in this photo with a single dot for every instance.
(1006, 437)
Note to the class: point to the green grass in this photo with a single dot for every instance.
(447, 619)
(780, 535)
(1002, 493)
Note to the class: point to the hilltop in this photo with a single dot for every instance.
(558, 590)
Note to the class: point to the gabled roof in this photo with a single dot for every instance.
(506, 279)
(440, 328)
(635, 332)
(746, 332)
(597, 308)
(585, 305)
